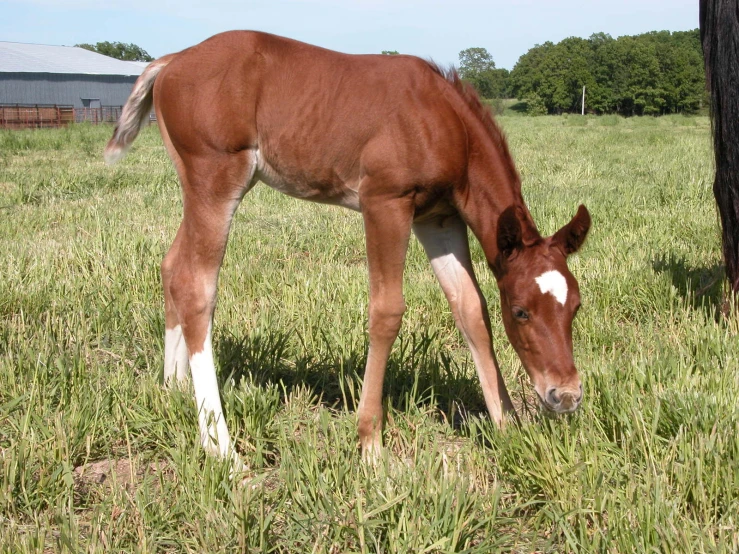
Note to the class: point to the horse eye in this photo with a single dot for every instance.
(520, 314)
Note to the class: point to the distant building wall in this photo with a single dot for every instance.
(65, 89)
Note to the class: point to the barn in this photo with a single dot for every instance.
(43, 85)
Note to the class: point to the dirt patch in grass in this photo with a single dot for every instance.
(101, 476)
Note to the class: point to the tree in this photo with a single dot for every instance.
(119, 51)
(477, 67)
(390, 52)
(649, 74)
(474, 61)
(527, 76)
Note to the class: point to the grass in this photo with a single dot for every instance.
(96, 456)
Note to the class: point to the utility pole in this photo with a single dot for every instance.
(583, 100)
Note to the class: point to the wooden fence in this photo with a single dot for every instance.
(24, 117)
(40, 117)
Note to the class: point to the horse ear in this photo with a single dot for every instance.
(570, 238)
(510, 237)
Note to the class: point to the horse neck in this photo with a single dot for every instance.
(493, 184)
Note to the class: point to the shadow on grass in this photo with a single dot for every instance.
(700, 287)
(417, 373)
(520, 107)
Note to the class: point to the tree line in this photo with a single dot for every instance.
(654, 73)
(119, 50)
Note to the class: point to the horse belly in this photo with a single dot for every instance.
(341, 194)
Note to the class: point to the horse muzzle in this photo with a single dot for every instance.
(562, 400)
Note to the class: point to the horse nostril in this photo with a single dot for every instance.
(553, 399)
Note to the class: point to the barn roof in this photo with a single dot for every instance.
(16, 57)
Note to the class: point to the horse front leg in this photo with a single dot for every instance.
(387, 226)
(446, 244)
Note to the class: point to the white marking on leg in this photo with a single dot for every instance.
(214, 434)
(448, 250)
(175, 355)
(553, 282)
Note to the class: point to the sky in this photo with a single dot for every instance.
(433, 29)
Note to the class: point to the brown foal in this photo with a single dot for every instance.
(394, 137)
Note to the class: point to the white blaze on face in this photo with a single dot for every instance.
(553, 282)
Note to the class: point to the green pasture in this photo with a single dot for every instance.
(95, 456)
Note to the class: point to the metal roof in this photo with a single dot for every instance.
(16, 57)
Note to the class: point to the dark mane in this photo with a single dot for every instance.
(482, 113)
(472, 100)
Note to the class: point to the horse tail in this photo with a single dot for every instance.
(719, 29)
(135, 113)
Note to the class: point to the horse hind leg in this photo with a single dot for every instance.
(176, 359)
(212, 187)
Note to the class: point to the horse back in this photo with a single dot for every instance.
(315, 116)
